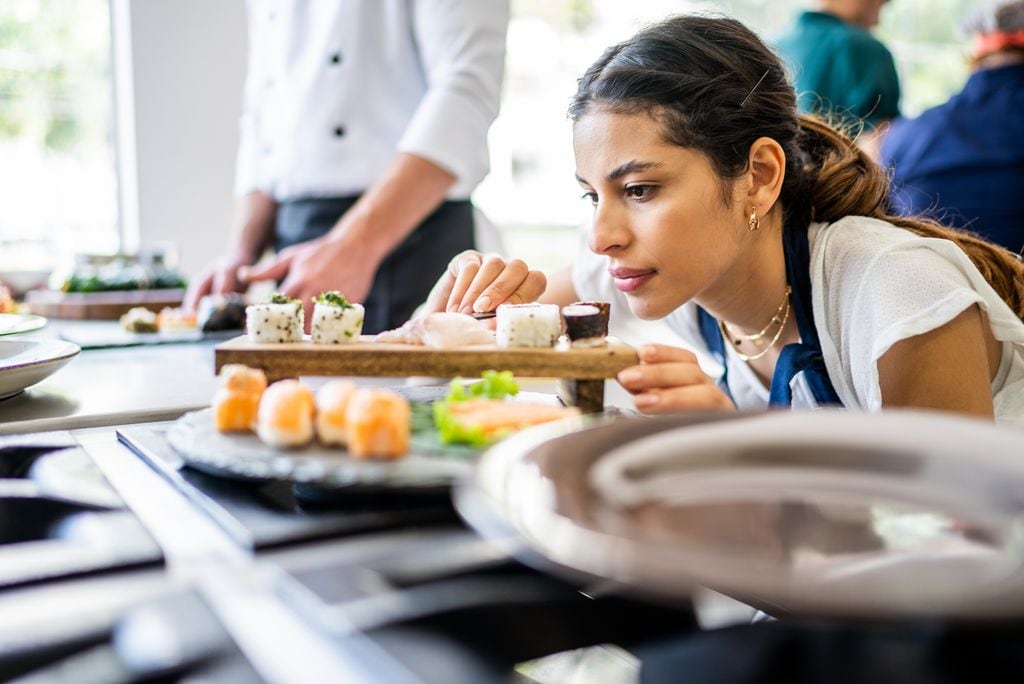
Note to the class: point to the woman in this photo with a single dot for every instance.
(764, 238)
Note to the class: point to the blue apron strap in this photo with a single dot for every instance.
(716, 345)
(803, 356)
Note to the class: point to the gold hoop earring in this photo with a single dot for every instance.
(754, 223)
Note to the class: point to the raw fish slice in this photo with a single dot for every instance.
(443, 330)
(411, 332)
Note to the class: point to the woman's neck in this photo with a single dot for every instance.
(747, 296)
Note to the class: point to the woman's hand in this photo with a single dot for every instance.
(669, 380)
(475, 282)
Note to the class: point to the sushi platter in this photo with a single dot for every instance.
(583, 369)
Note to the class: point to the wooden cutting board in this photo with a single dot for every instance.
(99, 306)
(584, 370)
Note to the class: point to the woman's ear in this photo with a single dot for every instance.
(767, 169)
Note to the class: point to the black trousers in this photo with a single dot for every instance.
(406, 275)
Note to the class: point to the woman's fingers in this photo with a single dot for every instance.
(514, 286)
(706, 397)
(490, 270)
(465, 270)
(670, 380)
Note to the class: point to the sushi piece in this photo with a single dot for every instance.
(221, 312)
(528, 325)
(445, 330)
(174, 320)
(279, 320)
(495, 418)
(139, 319)
(236, 403)
(585, 324)
(285, 416)
(332, 402)
(378, 423)
(335, 319)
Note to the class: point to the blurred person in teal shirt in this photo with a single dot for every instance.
(840, 70)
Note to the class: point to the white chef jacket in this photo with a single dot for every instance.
(336, 88)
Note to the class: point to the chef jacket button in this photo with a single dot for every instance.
(339, 132)
(336, 58)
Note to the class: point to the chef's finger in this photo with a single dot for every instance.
(275, 270)
(197, 292)
(530, 290)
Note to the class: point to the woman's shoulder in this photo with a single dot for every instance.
(858, 237)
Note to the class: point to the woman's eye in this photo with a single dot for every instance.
(590, 197)
(639, 192)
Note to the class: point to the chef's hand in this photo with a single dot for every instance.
(221, 277)
(669, 380)
(307, 269)
(475, 282)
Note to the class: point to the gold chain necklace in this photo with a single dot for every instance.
(737, 339)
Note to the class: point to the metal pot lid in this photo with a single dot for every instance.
(826, 513)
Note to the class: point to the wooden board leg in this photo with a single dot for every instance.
(587, 395)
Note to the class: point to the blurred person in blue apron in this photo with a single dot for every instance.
(963, 161)
(363, 133)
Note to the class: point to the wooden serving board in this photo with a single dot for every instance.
(99, 305)
(583, 371)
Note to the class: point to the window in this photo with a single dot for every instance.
(58, 189)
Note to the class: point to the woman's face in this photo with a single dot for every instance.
(659, 212)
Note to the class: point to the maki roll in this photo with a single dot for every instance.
(331, 411)
(586, 323)
(335, 319)
(221, 312)
(528, 325)
(285, 416)
(281, 319)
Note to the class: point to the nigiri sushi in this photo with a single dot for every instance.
(378, 424)
(335, 319)
(331, 410)
(236, 402)
(285, 416)
(279, 320)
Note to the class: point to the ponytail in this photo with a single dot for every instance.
(840, 180)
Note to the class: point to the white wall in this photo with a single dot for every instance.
(179, 69)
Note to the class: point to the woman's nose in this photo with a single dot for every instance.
(607, 231)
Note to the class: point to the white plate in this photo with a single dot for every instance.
(23, 363)
(19, 323)
(893, 515)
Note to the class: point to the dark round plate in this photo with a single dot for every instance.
(895, 515)
(428, 466)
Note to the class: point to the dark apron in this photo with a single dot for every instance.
(406, 275)
(800, 357)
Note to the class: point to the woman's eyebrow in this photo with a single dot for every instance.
(629, 167)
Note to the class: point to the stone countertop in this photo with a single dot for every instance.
(113, 386)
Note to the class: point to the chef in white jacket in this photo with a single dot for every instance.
(364, 132)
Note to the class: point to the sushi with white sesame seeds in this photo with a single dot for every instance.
(280, 319)
(335, 319)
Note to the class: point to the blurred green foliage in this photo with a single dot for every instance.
(55, 72)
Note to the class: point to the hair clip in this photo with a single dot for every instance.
(754, 88)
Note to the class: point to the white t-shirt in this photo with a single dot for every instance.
(872, 285)
(336, 88)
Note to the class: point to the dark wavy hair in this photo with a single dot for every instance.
(715, 87)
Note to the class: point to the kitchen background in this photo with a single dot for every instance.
(118, 118)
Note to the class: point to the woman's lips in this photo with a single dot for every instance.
(629, 279)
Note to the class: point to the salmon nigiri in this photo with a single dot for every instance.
(378, 424)
(331, 408)
(285, 416)
(236, 402)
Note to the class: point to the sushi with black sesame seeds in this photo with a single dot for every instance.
(335, 319)
(279, 319)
